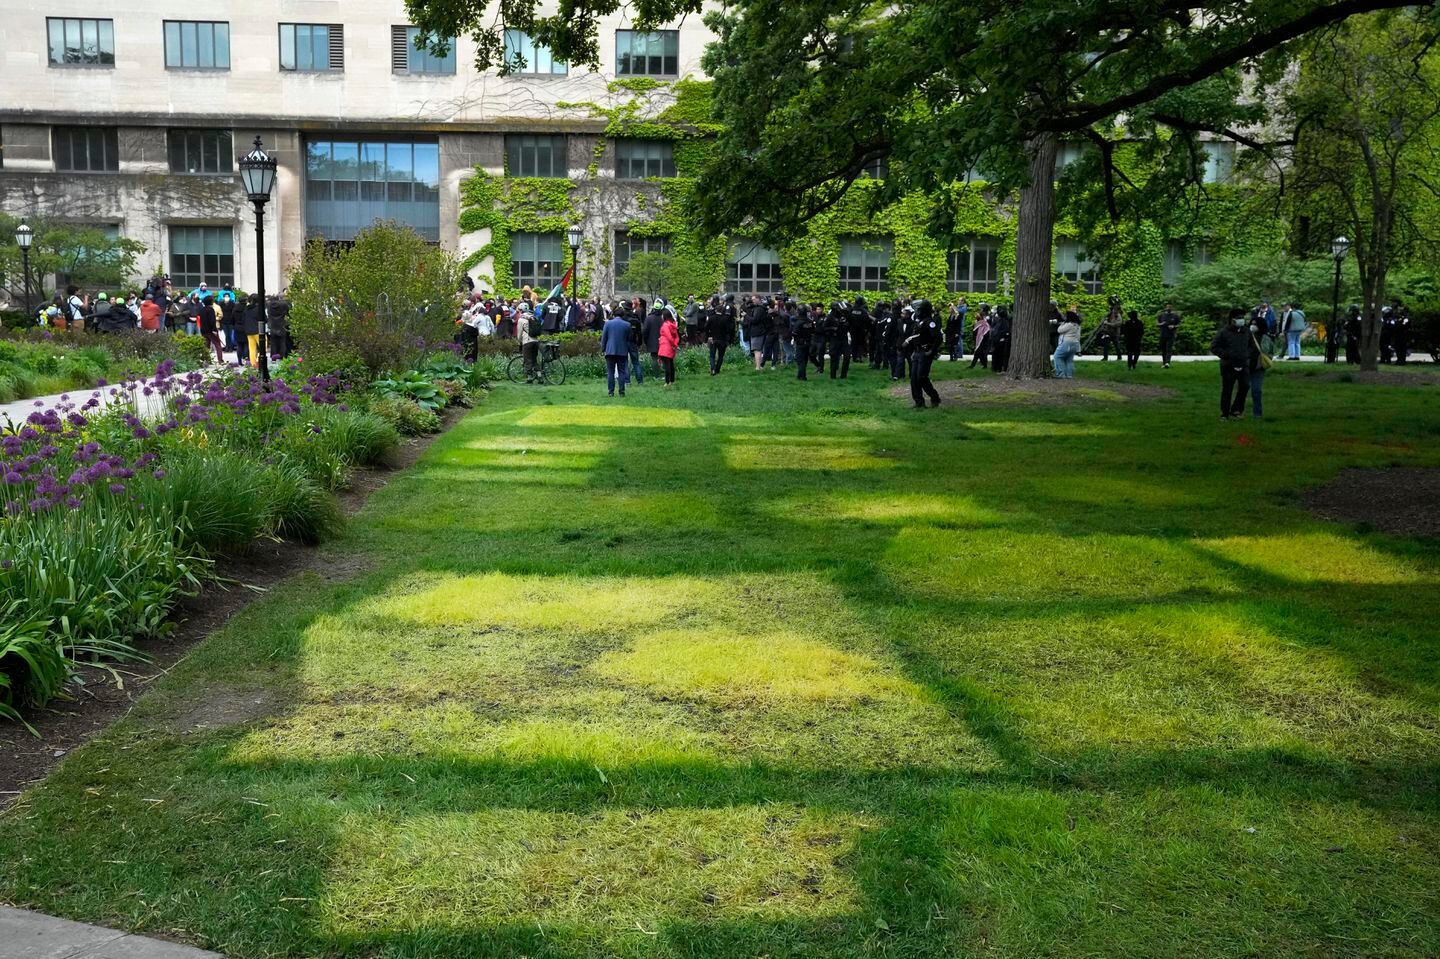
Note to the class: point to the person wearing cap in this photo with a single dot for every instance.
(101, 316)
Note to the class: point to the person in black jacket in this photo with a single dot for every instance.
(757, 330)
(1232, 346)
(635, 315)
(1169, 323)
(231, 334)
(720, 331)
(250, 324)
(1352, 335)
(837, 339)
(803, 331)
(923, 345)
(859, 327)
(651, 330)
(1000, 340)
(279, 335)
(1133, 331)
(899, 331)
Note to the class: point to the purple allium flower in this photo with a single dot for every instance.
(159, 474)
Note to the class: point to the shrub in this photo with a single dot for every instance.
(32, 668)
(410, 419)
(297, 507)
(381, 302)
(413, 386)
(220, 495)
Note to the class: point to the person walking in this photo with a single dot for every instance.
(1293, 322)
(1067, 345)
(1169, 323)
(668, 346)
(636, 318)
(982, 339)
(1232, 345)
(615, 339)
(1133, 331)
(924, 345)
(720, 331)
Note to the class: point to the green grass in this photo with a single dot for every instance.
(760, 668)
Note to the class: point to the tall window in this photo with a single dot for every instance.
(531, 155)
(201, 254)
(349, 184)
(408, 54)
(876, 169)
(1076, 268)
(647, 54)
(81, 42)
(865, 262)
(197, 45)
(312, 47)
(637, 159)
(201, 151)
(627, 246)
(1219, 161)
(85, 149)
(523, 55)
(973, 269)
(537, 260)
(752, 268)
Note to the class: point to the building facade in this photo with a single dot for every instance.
(132, 122)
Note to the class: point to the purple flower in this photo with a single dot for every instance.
(73, 502)
(159, 474)
(117, 487)
(14, 478)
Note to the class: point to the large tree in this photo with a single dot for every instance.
(1365, 114)
(811, 91)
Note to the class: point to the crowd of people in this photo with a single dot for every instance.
(226, 318)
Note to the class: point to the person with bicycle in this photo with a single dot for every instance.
(529, 331)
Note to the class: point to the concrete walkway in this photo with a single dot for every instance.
(17, 411)
(30, 935)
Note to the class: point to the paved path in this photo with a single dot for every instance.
(30, 935)
(18, 410)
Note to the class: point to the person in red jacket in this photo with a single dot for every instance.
(669, 344)
(150, 314)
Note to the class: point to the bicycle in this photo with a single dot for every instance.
(549, 367)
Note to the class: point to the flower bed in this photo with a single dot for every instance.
(109, 518)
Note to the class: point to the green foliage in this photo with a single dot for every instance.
(1245, 280)
(93, 260)
(218, 494)
(408, 417)
(33, 670)
(413, 386)
(297, 507)
(382, 302)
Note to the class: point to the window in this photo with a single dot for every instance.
(312, 47)
(647, 54)
(408, 54)
(752, 268)
(1201, 256)
(1219, 161)
(1069, 152)
(637, 159)
(973, 269)
(197, 45)
(349, 184)
(201, 254)
(537, 260)
(876, 169)
(201, 151)
(85, 149)
(90, 259)
(627, 246)
(1082, 273)
(1174, 263)
(523, 55)
(528, 155)
(865, 262)
(81, 42)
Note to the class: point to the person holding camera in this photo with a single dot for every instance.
(1067, 344)
(1232, 345)
(1108, 334)
(1169, 323)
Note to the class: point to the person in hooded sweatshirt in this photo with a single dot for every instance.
(1232, 346)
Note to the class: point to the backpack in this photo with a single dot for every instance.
(534, 326)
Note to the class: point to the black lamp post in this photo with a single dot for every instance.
(1338, 248)
(24, 236)
(257, 172)
(574, 235)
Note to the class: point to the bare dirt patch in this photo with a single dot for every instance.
(1404, 500)
(1049, 392)
(97, 700)
(1375, 378)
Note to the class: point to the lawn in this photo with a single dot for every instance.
(762, 668)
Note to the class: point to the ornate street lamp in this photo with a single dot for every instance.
(24, 236)
(257, 172)
(574, 235)
(1338, 248)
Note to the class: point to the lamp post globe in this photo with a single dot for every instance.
(24, 236)
(257, 174)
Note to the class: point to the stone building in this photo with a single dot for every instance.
(130, 117)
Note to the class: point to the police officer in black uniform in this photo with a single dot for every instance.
(803, 330)
(1352, 335)
(1000, 336)
(859, 326)
(837, 339)
(878, 353)
(900, 329)
(719, 331)
(923, 345)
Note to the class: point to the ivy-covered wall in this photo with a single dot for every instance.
(680, 112)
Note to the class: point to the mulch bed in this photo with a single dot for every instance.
(1404, 500)
(98, 701)
(1049, 392)
(1376, 378)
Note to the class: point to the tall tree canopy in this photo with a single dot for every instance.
(810, 91)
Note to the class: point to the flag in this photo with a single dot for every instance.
(560, 287)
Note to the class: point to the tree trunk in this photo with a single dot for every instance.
(1030, 330)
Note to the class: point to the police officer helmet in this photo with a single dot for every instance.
(729, 297)
(860, 302)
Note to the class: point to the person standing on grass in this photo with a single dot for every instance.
(636, 319)
(982, 338)
(1293, 322)
(615, 339)
(923, 345)
(1000, 332)
(1232, 345)
(955, 331)
(803, 333)
(528, 325)
(654, 320)
(1169, 322)
(669, 345)
(1067, 344)
(757, 331)
(719, 331)
(1262, 347)
(1133, 331)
